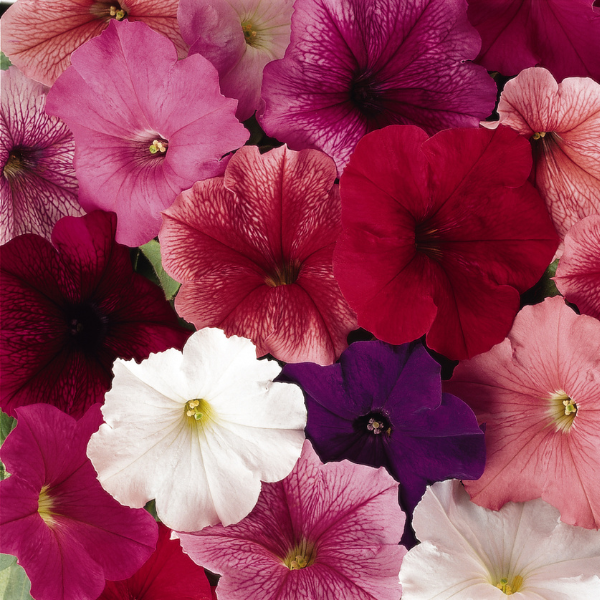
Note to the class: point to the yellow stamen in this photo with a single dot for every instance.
(562, 410)
(198, 411)
(300, 557)
(249, 33)
(510, 588)
(539, 134)
(159, 146)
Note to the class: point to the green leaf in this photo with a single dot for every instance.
(4, 61)
(7, 424)
(151, 251)
(549, 287)
(14, 583)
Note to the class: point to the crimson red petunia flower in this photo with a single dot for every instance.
(70, 310)
(441, 235)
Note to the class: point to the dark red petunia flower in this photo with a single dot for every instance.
(441, 235)
(70, 310)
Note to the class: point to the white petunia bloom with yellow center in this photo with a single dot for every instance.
(468, 552)
(198, 431)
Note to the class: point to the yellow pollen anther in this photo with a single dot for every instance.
(159, 146)
(249, 33)
(198, 410)
(570, 407)
(510, 588)
(539, 134)
(117, 13)
(562, 411)
(300, 557)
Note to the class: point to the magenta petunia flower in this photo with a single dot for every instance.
(326, 531)
(563, 123)
(578, 273)
(441, 235)
(38, 184)
(146, 125)
(39, 35)
(358, 65)
(253, 250)
(67, 532)
(68, 311)
(538, 392)
(561, 35)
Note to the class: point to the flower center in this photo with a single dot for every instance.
(250, 33)
(159, 146)
(563, 410)
(87, 326)
(539, 134)
(366, 95)
(428, 241)
(19, 160)
(301, 556)
(45, 505)
(510, 588)
(108, 10)
(197, 411)
(375, 423)
(284, 276)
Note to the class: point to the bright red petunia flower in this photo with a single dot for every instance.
(441, 235)
(68, 311)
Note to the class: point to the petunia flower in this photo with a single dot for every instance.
(68, 311)
(198, 431)
(383, 407)
(441, 235)
(470, 553)
(67, 533)
(358, 65)
(38, 184)
(239, 37)
(168, 574)
(538, 392)
(560, 35)
(253, 251)
(146, 125)
(578, 273)
(39, 35)
(326, 531)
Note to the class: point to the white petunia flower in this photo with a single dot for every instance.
(198, 431)
(522, 550)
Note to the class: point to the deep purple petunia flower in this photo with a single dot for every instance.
(67, 532)
(68, 311)
(383, 406)
(38, 184)
(358, 65)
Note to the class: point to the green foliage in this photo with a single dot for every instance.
(7, 424)
(4, 61)
(549, 287)
(14, 583)
(151, 251)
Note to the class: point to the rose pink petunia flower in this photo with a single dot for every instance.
(39, 35)
(561, 35)
(563, 123)
(146, 125)
(38, 184)
(326, 531)
(358, 65)
(253, 251)
(578, 273)
(538, 392)
(239, 37)
(67, 532)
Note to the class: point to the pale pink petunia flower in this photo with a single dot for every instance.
(538, 392)
(326, 532)
(39, 35)
(578, 274)
(562, 120)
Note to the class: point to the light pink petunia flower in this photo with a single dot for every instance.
(146, 125)
(578, 273)
(538, 392)
(254, 253)
(326, 531)
(39, 35)
(563, 123)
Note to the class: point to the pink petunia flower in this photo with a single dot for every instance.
(253, 250)
(39, 35)
(38, 184)
(538, 392)
(68, 311)
(561, 35)
(146, 125)
(354, 66)
(563, 123)
(239, 37)
(578, 273)
(326, 531)
(441, 235)
(67, 532)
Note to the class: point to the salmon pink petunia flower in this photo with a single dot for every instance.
(253, 251)
(39, 35)
(578, 273)
(354, 66)
(68, 311)
(562, 122)
(441, 235)
(67, 533)
(538, 392)
(146, 125)
(326, 531)
(37, 184)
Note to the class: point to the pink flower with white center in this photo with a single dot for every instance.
(538, 392)
(239, 37)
